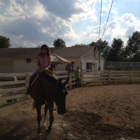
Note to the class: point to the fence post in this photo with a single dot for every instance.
(109, 76)
(82, 77)
(15, 78)
(70, 80)
(131, 74)
(27, 77)
(54, 72)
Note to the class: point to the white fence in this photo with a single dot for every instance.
(10, 84)
(123, 64)
(14, 85)
(110, 76)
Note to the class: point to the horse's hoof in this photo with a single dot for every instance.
(45, 124)
(49, 129)
(40, 134)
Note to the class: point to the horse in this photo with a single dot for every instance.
(46, 90)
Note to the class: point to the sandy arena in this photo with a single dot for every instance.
(110, 112)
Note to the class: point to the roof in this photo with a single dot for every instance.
(65, 52)
(58, 59)
(72, 51)
(21, 52)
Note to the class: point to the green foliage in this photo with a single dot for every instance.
(115, 53)
(79, 45)
(102, 47)
(20, 47)
(132, 50)
(92, 44)
(4, 42)
(59, 43)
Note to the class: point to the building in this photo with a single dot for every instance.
(19, 60)
(84, 57)
(16, 60)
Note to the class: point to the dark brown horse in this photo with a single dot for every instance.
(47, 90)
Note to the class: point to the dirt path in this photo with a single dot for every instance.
(109, 112)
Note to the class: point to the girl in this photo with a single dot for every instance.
(43, 63)
(43, 59)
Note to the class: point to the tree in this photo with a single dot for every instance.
(4, 42)
(92, 44)
(132, 49)
(79, 45)
(115, 53)
(59, 43)
(102, 47)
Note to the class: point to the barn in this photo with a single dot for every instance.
(18, 60)
(84, 57)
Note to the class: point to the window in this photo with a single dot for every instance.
(89, 66)
(28, 60)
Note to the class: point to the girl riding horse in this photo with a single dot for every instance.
(43, 63)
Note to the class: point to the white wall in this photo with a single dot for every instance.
(20, 65)
(62, 66)
(6, 66)
(102, 61)
(92, 57)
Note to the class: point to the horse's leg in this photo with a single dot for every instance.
(51, 119)
(45, 113)
(38, 109)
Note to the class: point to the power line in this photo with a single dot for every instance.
(100, 19)
(107, 18)
(99, 32)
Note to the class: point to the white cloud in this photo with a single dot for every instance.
(128, 18)
(89, 11)
(131, 23)
(33, 22)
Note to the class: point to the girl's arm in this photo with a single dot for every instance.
(47, 69)
(49, 63)
(38, 61)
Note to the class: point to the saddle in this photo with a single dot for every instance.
(46, 74)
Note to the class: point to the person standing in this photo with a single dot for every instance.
(77, 76)
(70, 67)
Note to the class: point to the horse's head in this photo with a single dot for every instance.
(60, 96)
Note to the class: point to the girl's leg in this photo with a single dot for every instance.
(32, 77)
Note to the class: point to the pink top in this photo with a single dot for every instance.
(43, 62)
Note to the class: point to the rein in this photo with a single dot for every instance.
(49, 106)
(37, 76)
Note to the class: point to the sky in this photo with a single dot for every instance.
(32, 23)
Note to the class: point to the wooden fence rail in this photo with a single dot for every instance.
(14, 85)
(110, 76)
(10, 84)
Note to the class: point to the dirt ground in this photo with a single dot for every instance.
(110, 112)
